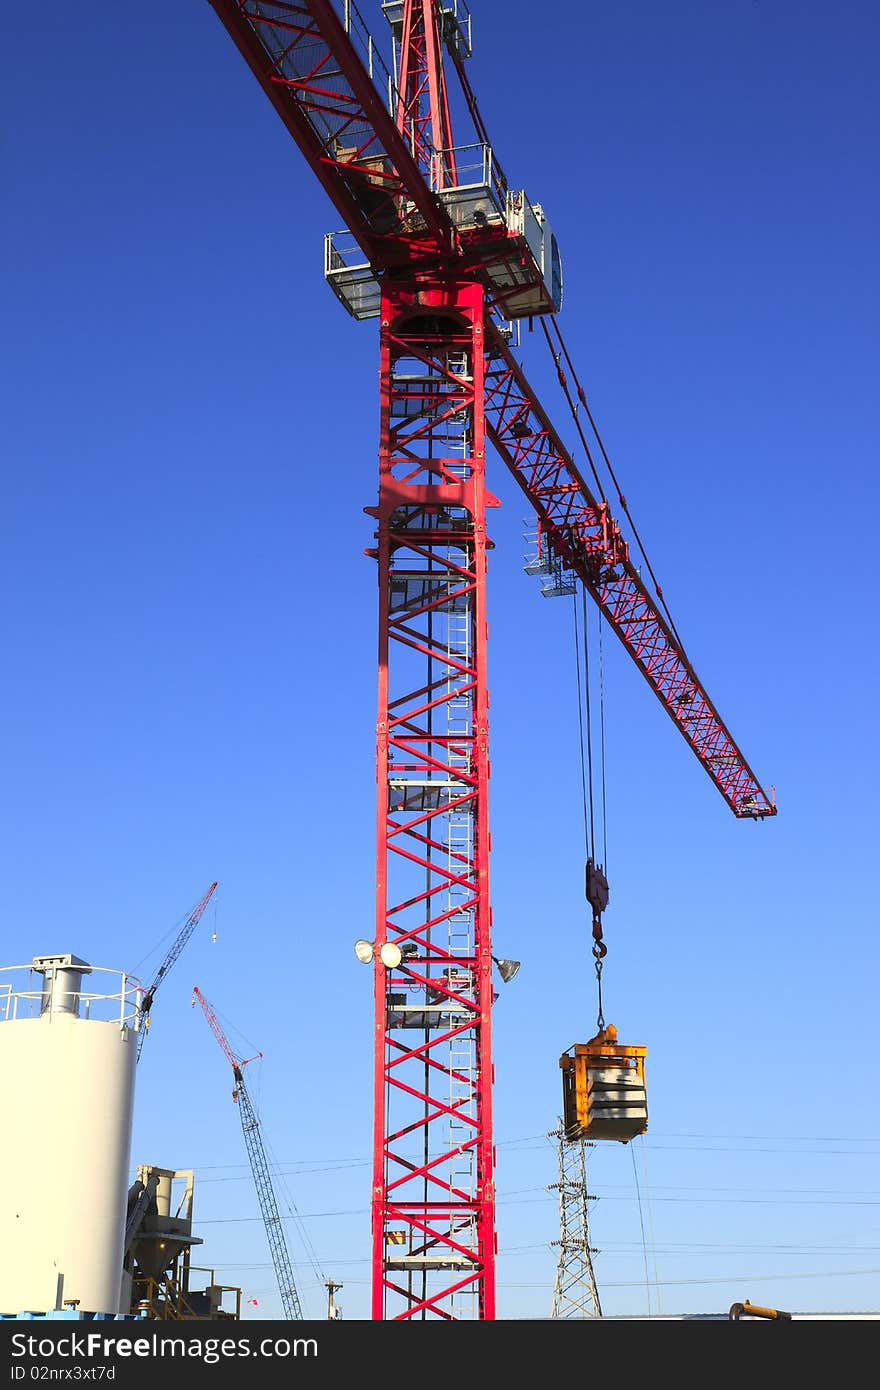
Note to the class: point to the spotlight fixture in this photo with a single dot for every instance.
(390, 953)
(507, 968)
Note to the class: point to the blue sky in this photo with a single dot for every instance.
(189, 439)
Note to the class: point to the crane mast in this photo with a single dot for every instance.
(433, 1161)
(433, 1204)
(451, 256)
(256, 1153)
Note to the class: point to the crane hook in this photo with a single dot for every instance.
(599, 948)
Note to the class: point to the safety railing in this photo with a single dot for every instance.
(39, 996)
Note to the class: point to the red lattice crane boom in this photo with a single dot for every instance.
(452, 257)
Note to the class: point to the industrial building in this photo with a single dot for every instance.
(79, 1238)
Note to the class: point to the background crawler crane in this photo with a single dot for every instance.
(180, 941)
(253, 1139)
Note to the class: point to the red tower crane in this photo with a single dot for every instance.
(449, 257)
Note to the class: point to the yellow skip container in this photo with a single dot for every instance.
(603, 1089)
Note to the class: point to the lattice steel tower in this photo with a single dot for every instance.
(575, 1294)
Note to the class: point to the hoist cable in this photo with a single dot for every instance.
(599, 949)
(589, 713)
(602, 747)
(577, 662)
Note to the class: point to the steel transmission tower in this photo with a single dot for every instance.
(574, 1294)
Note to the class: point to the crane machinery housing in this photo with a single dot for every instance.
(449, 258)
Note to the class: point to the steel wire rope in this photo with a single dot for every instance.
(580, 695)
(171, 932)
(601, 739)
(589, 710)
(602, 747)
(711, 1279)
(296, 1216)
(653, 1240)
(230, 1027)
(537, 1141)
(642, 1226)
(587, 776)
(574, 413)
(154, 949)
(573, 407)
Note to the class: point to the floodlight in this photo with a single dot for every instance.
(364, 951)
(390, 955)
(506, 968)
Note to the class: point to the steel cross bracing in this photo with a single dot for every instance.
(575, 1294)
(253, 1140)
(305, 59)
(308, 59)
(433, 1182)
(448, 380)
(422, 103)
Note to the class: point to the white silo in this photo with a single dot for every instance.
(67, 1062)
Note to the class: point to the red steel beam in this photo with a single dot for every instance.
(423, 104)
(433, 1191)
(308, 67)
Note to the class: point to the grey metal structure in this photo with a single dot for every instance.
(250, 1125)
(182, 938)
(575, 1294)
